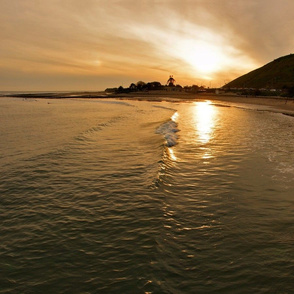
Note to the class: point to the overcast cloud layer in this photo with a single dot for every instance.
(91, 45)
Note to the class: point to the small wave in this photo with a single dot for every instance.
(169, 131)
(105, 101)
(163, 107)
(88, 134)
(115, 102)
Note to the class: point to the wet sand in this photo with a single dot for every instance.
(278, 104)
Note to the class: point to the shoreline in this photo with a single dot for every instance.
(276, 104)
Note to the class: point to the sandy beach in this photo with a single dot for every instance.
(277, 104)
(280, 104)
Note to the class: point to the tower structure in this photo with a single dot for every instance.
(171, 81)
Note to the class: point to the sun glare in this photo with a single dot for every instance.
(175, 117)
(204, 120)
(202, 56)
(171, 154)
(194, 51)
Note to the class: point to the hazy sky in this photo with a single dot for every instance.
(95, 44)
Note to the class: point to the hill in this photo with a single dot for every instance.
(278, 74)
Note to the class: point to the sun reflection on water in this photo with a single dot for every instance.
(170, 150)
(175, 117)
(205, 119)
(171, 154)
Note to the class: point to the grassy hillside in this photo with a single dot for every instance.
(277, 74)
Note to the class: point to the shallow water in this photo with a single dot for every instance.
(141, 197)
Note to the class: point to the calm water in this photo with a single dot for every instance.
(142, 197)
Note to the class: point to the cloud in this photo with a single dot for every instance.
(127, 40)
(260, 29)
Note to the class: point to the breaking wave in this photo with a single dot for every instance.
(169, 131)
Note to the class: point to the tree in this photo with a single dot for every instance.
(120, 89)
(153, 86)
(140, 85)
(133, 87)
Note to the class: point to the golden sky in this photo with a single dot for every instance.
(95, 44)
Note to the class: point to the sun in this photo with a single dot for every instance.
(203, 57)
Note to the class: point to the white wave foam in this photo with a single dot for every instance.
(169, 131)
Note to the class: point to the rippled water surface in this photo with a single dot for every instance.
(101, 196)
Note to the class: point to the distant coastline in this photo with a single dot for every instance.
(277, 104)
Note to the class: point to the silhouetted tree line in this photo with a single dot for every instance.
(152, 86)
(140, 86)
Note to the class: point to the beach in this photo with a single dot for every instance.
(272, 103)
(279, 104)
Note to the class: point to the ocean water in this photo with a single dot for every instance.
(109, 196)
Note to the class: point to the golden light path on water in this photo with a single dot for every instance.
(170, 150)
(171, 154)
(204, 116)
(204, 120)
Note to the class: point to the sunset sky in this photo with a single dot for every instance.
(95, 44)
